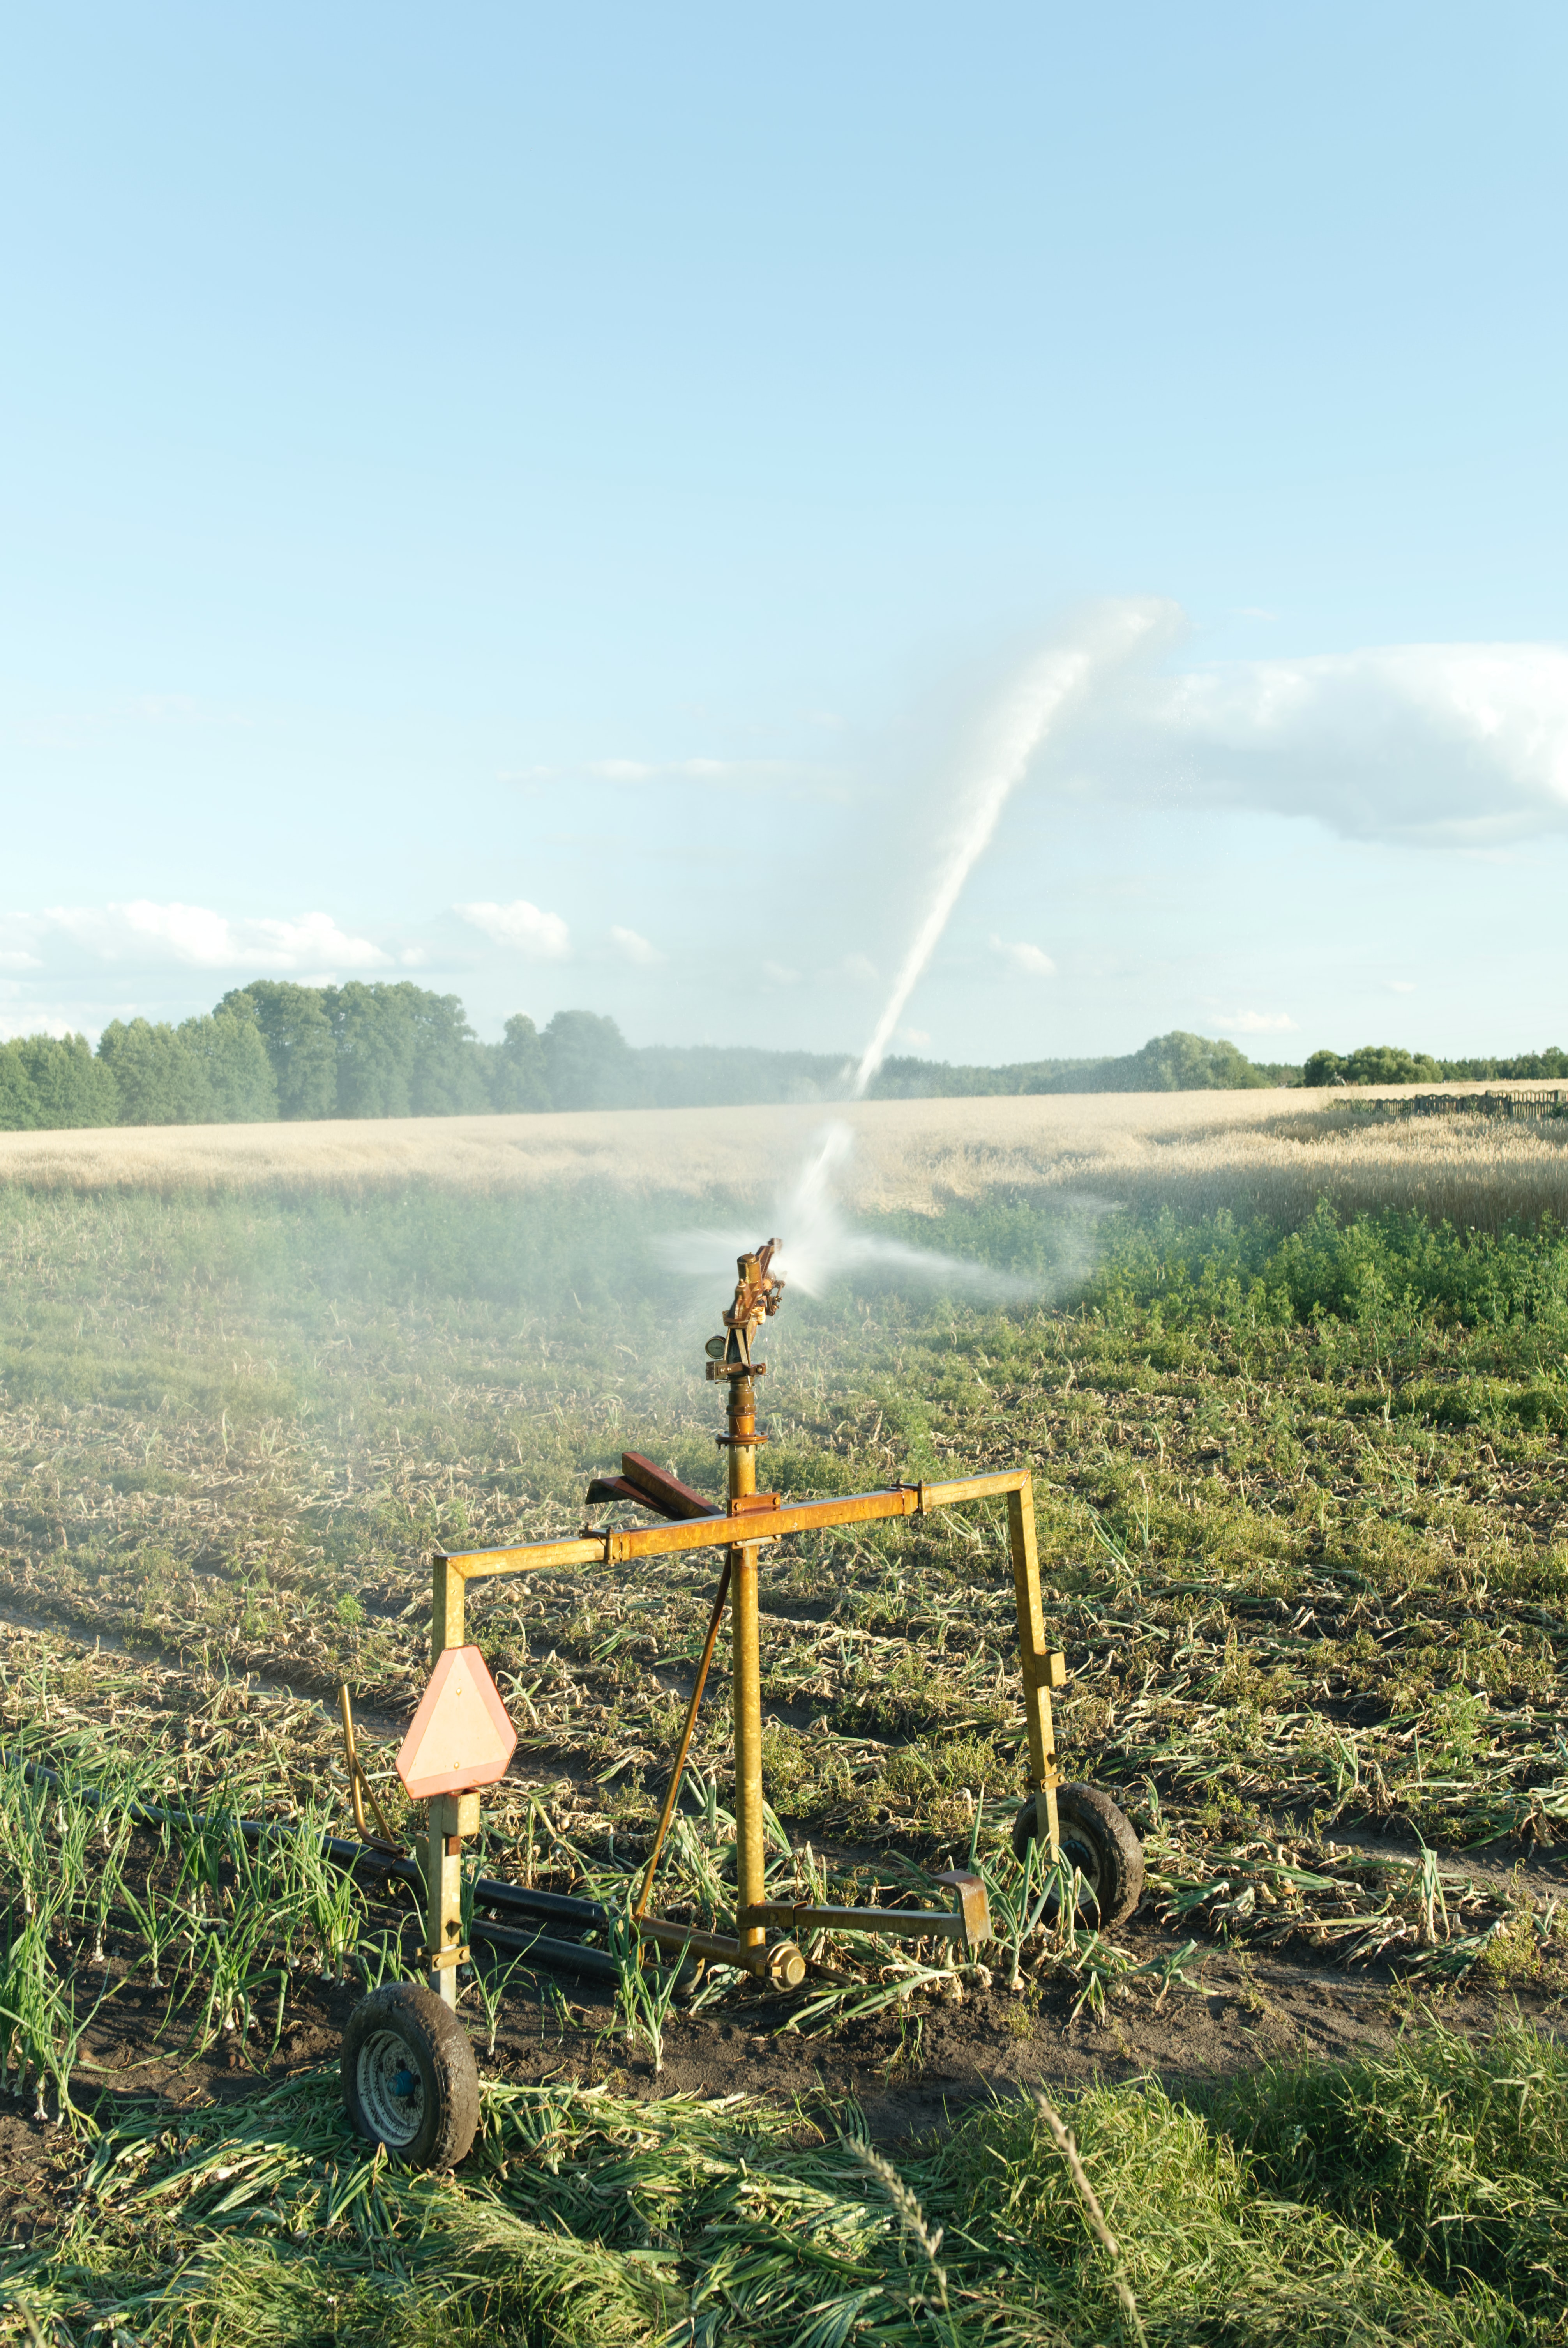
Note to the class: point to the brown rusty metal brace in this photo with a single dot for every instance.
(695, 1523)
(673, 1796)
(359, 1785)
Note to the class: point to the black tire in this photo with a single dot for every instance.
(409, 2079)
(1098, 1840)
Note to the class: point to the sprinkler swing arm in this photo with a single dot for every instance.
(751, 1521)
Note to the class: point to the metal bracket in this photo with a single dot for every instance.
(971, 1907)
(969, 1920)
(435, 1960)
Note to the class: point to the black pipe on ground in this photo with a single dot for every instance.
(376, 1860)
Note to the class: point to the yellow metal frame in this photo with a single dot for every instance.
(781, 1962)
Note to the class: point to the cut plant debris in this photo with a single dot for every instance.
(1300, 1500)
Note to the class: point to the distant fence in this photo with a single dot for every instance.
(1553, 1103)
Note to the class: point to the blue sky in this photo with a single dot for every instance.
(597, 469)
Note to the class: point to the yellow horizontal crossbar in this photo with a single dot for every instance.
(720, 1532)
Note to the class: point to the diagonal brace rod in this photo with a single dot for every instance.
(673, 1796)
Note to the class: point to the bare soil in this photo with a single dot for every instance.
(910, 2072)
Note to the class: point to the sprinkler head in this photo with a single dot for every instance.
(758, 1297)
(758, 1294)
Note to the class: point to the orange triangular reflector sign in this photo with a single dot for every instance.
(460, 1735)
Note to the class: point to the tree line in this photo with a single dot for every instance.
(1390, 1064)
(275, 1050)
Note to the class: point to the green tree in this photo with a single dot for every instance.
(1323, 1068)
(1372, 1063)
(239, 1077)
(517, 1068)
(1390, 1063)
(448, 1074)
(1179, 1063)
(403, 1052)
(298, 1039)
(588, 1064)
(49, 1083)
(159, 1078)
(1549, 1067)
(374, 1051)
(18, 1102)
(72, 1088)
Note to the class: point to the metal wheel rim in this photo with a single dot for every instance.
(391, 2091)
(1077, 1851)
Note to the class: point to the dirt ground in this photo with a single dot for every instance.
(910, 2072)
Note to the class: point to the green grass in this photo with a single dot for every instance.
(1304, 1547)
(1298, 1504)
(582, 2218)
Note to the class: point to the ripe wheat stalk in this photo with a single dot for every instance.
(1266, 1153)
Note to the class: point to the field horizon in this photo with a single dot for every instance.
(1271, 1153)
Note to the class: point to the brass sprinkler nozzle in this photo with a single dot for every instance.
(758, 1297)
(758, 1294)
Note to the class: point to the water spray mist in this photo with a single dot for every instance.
(818, 1241)
(1010, 739)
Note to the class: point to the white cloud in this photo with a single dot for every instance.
(19, 960)
(918, 1037)
(778, 973)
(37, 1023)
(632, 948)
(1401, 986)
(1028, 960)
(537, 936)
(200, 939)
(797, 777)
(1254, 1023)
(696, 770)
(1456, 744)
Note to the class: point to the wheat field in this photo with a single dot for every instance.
(1268, 1152)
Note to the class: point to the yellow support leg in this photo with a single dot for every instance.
(446, 1594)
(452, 1816)
(1043, 1670)
(750, 1866)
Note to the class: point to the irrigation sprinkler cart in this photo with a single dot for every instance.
(405, 2057)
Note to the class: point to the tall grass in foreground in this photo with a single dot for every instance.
(1430, 2210)
(233, 1921)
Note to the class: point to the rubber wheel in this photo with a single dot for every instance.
(1098, 1840)
(409, 2079)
